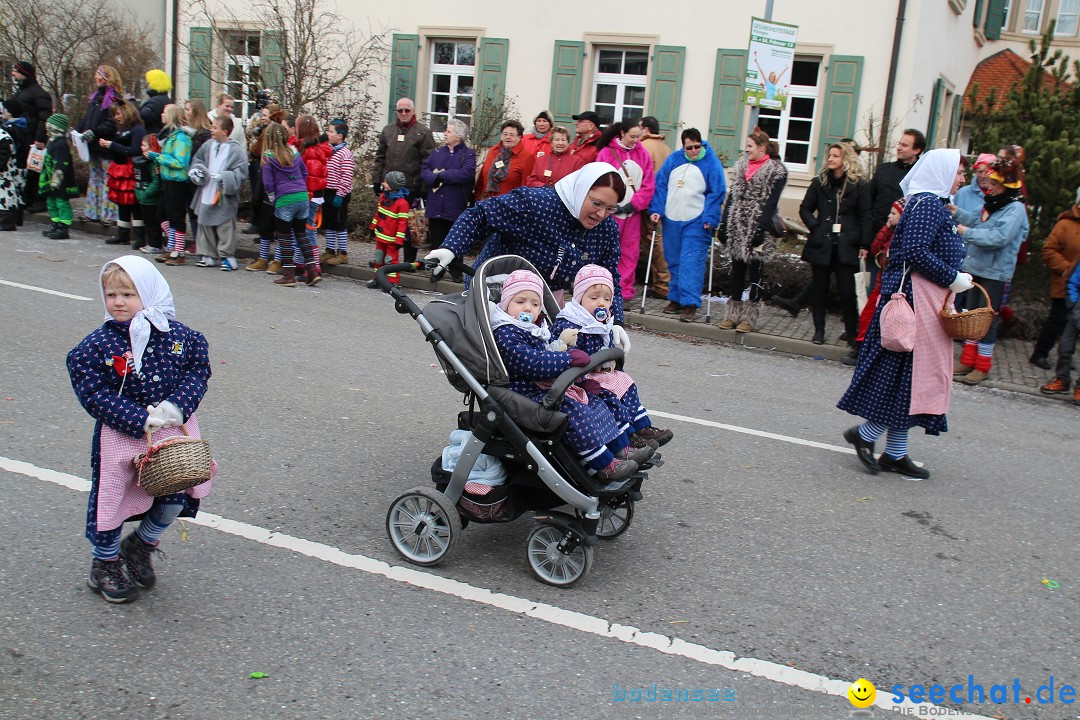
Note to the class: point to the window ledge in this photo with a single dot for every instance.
(958, 6)
(980, 37)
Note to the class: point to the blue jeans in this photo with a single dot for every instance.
(292, 211)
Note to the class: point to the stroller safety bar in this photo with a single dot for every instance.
(559, 387)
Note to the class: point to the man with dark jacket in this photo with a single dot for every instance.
(403, 146)
(885, 185)
(37, 106)
(158, 85)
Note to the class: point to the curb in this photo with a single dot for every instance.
(653, 323)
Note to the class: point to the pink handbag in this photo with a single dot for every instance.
(897, 321)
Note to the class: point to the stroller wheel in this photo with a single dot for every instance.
(423, 526)
(552, 565)
(615, 516)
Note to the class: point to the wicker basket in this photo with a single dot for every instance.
(969, 324)
(173, 465)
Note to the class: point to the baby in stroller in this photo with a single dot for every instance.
(523, 335)
(585, 322)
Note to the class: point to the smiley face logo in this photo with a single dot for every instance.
(862, 693)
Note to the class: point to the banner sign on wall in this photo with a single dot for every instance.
(768, 63)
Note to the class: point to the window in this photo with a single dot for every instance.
(619, 84)
(1033, 16)
(1068, 12)
(242, 76)
(453, 73)
(1005, 14)
(793, 129)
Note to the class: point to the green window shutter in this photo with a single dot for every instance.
(272, 60)
(199, 41)
(977, 15)
(995, 19)
(490, 82)
(566, 71)
(839, 113)
(954, 123)
(937, 102)
(725, 120)
(665, 90)
(405, 56)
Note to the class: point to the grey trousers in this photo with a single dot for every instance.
(216, 241)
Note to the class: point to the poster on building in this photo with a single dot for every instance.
(768, 63)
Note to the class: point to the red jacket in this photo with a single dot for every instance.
(521, 164)
(587, 150)
(534, 144)
(879, 249)
(552, 167)
(315, 154)
(391, 219)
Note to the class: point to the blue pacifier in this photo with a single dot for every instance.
(601, 314)
(525, 317)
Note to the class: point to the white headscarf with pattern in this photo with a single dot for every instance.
(575, 187)
(935, 172)
(156, 299)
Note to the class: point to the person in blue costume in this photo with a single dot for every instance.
(141, 372)
(558, 229)
(895, 391)
(689, 197)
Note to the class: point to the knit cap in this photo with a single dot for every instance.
(899, 205)
(984, 159)
(58, 121)
(13, 106)
(588, 276)
(395, 179)
(26, 69)
(520, 281)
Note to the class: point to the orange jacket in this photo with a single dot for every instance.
(521, 164)
(1061, 250)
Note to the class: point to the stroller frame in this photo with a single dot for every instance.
(424, 522)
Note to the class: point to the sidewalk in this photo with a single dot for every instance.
(777, 330)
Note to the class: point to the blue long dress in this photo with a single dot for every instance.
(926, 242)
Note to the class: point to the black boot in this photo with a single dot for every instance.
(138, 236)
(51, 230)
(60, 233)
(122, 237)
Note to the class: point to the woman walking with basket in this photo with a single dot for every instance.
(897, 390)
(139, 373)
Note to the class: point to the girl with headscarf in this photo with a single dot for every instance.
(895, 391)
(558, 229)
(96, 124)
(141, 372)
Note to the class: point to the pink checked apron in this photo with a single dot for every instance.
(932, 357)
(118, 496)
(615, 381)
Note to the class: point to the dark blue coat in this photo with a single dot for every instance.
(927, 243)
(450, 190)
(534, 223)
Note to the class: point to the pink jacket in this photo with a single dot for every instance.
(637, 171)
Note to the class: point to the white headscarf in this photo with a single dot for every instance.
(156, 299)
(935, 172)
(574, 188)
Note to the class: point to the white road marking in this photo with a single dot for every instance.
(751, 431)
(669, 645)
(44, 290)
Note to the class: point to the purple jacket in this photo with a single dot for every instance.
(279, 181)
(450, 190)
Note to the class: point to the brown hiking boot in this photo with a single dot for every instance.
(974, 377)
(312, 276)
(617, 470)
(743, 327)
(726, 324)
(175, 261)
(326, 255)
(1057, 386)
(342, 258)
(274, 268)
(658, 435)
(257, 266)
(687, 314)
(672, 308)
(288, 277)
(961, 369)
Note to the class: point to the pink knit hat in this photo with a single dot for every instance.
(590, 275)
(985, 159)
(520, 281)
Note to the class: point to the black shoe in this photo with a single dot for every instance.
(1040, 361)
(250, 230)
(136, 552)
(787, 304)
(373, 284)
(851, 359)
(60, 233)
(904, 466)
(843, 336)
(108, 578)
(864, 450)
(49, 232)
(819, 337)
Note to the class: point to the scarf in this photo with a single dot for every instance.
(539, 135)
(993, 203)
(211, 191)
(499, 169)
(575, 187)
(752, 166)
(156, 298)
(106, 96)
(500, 318)
(406, 126)
(575, 312)
(392, 195)
(935, 173)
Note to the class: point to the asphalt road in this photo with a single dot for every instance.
(761, 536)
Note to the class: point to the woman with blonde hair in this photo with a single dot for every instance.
(98, 124)
(836, 209)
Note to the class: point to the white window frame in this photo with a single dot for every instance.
(1075, 15)
(799, 91)
(243, 91)
(456, 72)
(1005, 14)
(621, 81)
(1038, 13)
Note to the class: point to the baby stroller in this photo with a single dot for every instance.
(543, 472)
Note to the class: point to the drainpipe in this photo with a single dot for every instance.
(893, 61)
(175, 41)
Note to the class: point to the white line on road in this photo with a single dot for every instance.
(751, 431)
(573, 620)
(44, 290)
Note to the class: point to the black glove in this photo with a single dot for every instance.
(626, 207)
(371, 233)
(376, 188)
(758, 239)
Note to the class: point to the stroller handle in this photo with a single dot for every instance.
(381, 274)
(562, 383)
